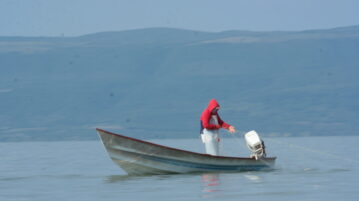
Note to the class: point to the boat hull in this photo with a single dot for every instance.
(139, 157)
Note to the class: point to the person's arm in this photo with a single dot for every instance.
(224, 125)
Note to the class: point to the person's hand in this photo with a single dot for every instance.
(231, 129)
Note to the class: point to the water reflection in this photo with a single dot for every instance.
(210, 182)
(254, 178)
(119, 178)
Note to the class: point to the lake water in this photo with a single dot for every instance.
(307, 168)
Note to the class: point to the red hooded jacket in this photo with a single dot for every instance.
(206, 117)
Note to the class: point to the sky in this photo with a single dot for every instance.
(79, 17)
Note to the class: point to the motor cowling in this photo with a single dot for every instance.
(255, 144)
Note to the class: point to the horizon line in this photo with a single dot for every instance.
(177, 28)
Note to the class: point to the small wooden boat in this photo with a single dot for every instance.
(139, 157)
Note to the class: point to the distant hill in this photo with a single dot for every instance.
(154, 83)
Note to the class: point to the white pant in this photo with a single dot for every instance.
(211, 140)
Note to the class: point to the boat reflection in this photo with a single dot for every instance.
(119, 178)
(210, 183)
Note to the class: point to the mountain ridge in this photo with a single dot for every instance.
(282, 84)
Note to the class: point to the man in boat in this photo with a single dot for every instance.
(210, 125)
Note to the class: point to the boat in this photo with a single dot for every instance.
(138, 157)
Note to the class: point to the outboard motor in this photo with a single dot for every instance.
(255, 145)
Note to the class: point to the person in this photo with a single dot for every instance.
(210, 125)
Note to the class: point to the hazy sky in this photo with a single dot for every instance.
(78, 17)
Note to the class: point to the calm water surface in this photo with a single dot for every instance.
(308, 168)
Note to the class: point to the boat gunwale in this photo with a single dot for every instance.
(176, 149)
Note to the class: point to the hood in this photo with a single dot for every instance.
(212, 104)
